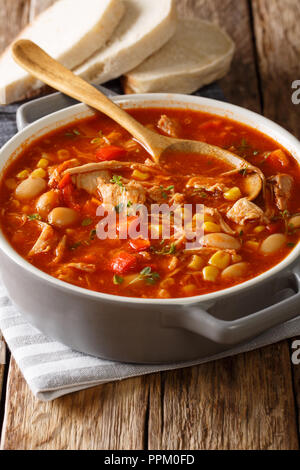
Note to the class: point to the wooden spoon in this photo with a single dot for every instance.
(37, 62)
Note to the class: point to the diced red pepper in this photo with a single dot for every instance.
(123, 262)
(110, 153)
(278, 159)
(66, 179)
(139, 244)
(125, 225)
(69, 197)
(275, 227)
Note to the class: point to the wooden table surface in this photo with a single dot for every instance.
(247, 402)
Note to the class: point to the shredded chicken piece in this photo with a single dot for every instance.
(146, 168)
(244, 210)
(108, 165)
(282, 187)
(153, 164)
(157, 194)
(207, 183)
(60, 249)
(91, 180)
(45, 242)
(55, 172)
(219, 219)
(88, 268)
(177, 198)
(173, 263)
(116, 195)
(169, 126)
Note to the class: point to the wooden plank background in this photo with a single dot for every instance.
(246, 402)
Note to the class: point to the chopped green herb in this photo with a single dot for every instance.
(93, 234)
(119, 208)
(290, 244)
(255, 152)
(200, 192)
(146, 275)
(266, 155)
(34, 217)
(72, 133)
(129, 204)
(97, 140)
(86, 222)
(165, 191)
(166, 250)
(75, 246)
(243, 146)
(243, 171)
(117, 280)
(285, 214)
(117, 179)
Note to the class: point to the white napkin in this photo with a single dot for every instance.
(51, 369)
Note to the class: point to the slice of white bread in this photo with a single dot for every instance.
(70, 31)
(197, 54)
(145, 27)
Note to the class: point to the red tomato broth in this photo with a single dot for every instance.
(82, 140)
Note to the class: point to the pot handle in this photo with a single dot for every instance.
(193, 318)
(29, 112)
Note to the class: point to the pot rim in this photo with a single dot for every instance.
(62, 117)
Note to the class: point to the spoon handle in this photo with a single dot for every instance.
(39, 64)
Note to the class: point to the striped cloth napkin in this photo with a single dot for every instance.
(51, 369)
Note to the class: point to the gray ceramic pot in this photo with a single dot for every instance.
(151, 330)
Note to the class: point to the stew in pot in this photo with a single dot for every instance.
(55, 196)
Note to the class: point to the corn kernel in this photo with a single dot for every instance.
(189, 289)
(26, 209)
(23, 175)
(39, 173)
(235, 258)
(199, 218)
(163, 294)
(208, 218)
(10, 183)
(210, 273)
(220, 259)
(211, 227)
(233, 194)
(63, 154)
(167, 283)
(259, 228)
(140, 175)
(252, 245)
(43, 163)
(196, 263)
